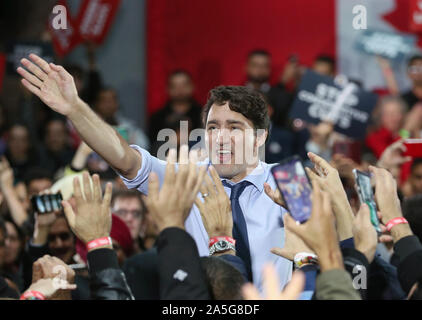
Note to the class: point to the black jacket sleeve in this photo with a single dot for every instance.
(179, 267)
(357, 265)
(409, 252)
(6, 291)
(108, 281)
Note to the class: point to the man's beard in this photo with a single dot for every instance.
(258, 80)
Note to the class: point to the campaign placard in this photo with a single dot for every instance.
(319, 98)
(393, 46)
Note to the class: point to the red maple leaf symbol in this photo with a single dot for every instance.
(399, 18)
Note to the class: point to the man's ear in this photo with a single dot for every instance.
(261, 137)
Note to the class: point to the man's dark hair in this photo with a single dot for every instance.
(36, 173)
(258, 52)
(326, 59)
(246, 101)
(413, 59)
(225, 281)
(416, 162)
(128, 194)
(412, 211)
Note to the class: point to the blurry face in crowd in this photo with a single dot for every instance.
(323, 68)
(231, 143)
(130, 211)
(13, 244)
(56, 137)
(180, 88)
(258, 68)
(61, 240)
(18, 141)
(414, 72)
(391, 116)
(107, 104)
(38, 185)
(416, 179)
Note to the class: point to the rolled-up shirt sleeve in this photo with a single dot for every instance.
(149, 164)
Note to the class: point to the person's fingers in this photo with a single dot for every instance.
(40, 62)
(385, 238)
(77, 191)
(30, 77)
(201, 175)
(183, 170)
(209, 185)
(270, 282)
(64, 75)
(295, 287)
(363, 213)
(169, 175)
(250, 292)
(153, 186)
(70, 215)
(291, 224)
(319, 161)
(216, 179)
(96, 188)
(40, 74)
(312, 175)
(199, 204)
(326, 204)
(192, 175)
(87, 186)
(280, 252)
(107, 195)
(31, 87)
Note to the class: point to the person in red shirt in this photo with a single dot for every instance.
(392, 114)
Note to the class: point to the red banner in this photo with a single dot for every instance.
(95, 18)
(415, 17)
(64, 40)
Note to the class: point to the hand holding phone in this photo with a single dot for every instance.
(364, 190)
(47, 203)
(295, 187)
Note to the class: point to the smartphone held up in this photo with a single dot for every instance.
(295, 187)
(47, 203)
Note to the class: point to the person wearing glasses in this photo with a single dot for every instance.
(414, 72)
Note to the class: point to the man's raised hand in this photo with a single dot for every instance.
(51, 83)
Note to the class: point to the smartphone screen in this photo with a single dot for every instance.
(38, 204)
(364, 188)
(47, 202)
(295, 188)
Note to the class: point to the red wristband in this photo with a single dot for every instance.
(216, 239)
(32, 295)
(395, 221)
(105, 241)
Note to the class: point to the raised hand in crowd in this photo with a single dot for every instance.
(388, 202)
(53, 278)
(91, 218)
(272, 291)
(392, 157)
(319, 232)
(43, 223)
(275, 195)
(215, 207)
(17, 211)
(364, 234)
(51, 83)
(329, 180)
(170, 206)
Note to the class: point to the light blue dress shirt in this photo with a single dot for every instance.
(263, 217)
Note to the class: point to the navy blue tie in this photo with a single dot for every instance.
(240, 230)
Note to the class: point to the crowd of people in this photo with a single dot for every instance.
(195, 226)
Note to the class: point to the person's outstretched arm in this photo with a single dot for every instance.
(56, 88)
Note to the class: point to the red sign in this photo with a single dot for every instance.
(64, 40)
(95, 18)
(415, 17)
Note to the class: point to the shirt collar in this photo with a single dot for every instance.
(256, 177)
